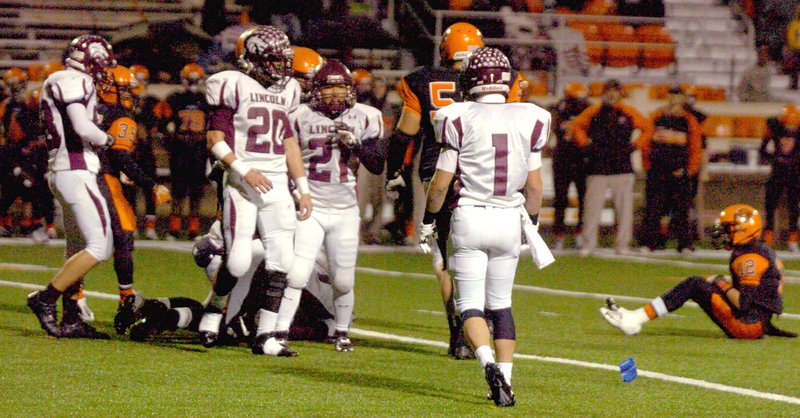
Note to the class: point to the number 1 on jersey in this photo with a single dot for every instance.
(500, 144)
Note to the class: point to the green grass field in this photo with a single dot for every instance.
(384, 376)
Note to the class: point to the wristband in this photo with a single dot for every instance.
(302, 185)
(429, 217)
(240, 167)
(535, 218)
(220, 150)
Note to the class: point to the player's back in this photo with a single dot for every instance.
(494, 142)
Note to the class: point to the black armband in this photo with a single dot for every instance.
(535, 218)
(396, 151)
(429, 218)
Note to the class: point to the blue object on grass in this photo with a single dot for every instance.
(628, 370)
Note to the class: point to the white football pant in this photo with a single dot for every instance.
(87, 223)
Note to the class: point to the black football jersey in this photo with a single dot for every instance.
(189, 113)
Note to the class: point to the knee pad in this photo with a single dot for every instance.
(239, 262)
(503, 322)
(101, 247)
(344, 279)
(470, 313)
(300, 272)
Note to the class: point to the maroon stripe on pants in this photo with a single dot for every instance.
(76, 161)
(232, 220)
(99, 206)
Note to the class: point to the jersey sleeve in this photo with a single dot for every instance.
(541, 129)
(373, 124)
(222, 90)
(410, 99)
(448, 129)
(72, 89)
(123, 130)
(749, 268)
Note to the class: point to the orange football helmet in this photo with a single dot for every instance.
(737, 224)
(192, 75)
(790, 116)
(304, 61)
(141, 72)
(16, 81)
(120, 87)
(575, 90)
(459, 40)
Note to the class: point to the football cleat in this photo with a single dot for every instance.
(209, 327)
(463, 352)
(151, 234)
(620, 318)
(86, 313)
(127, 313)
(153, 313)
(342, 343)
(501, 392)
(45, 312)
(80, 329)
(268, 344)
(39, 235)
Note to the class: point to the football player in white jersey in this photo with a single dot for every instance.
(495, 149)
(251, 134)
(336, 134)
(68, 100)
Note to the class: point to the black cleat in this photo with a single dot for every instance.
(127, 313)
(501, 391)
(464, 352)
(612, 304)
(45, 312)
(152, 314)
(80, 329)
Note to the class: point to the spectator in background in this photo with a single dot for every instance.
(694, 181)
(783, 133)
(791, 52)
(569, 161)
(754, 85)
(672, 158)
(605, 131)
(640, 8)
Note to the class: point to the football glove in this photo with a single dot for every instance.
(427, 237)
(394, 184)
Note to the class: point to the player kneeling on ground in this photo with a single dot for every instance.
(742, 307)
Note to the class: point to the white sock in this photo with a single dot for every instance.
(506, 369)
(184, 317)
(484, 355)
(343, 310)
(266, 321)
(659, 306)
(289, 305)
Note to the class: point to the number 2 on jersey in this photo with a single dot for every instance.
(323, 175)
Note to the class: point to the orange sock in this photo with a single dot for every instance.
(124, 293)
(650, 311)
(175, 224)
(194, 225)
(150, 223)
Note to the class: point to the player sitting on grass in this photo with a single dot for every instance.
(742, 307)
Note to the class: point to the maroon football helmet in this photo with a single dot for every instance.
(486, 70)
(332, 73)
(91, 54)
(265, 54)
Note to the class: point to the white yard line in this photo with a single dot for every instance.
(610, 367)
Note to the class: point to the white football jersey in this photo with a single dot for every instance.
(497, 144)
(260, 121)
(332, 183)
(68, 151)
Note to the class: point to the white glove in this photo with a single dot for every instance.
(393, 187)
(17, 171)
(346, 137)
(27, 183)
(427, 235)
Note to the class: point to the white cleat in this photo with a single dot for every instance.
(620, 318)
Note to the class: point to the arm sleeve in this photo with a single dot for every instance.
(221, 119)
(84, 126)
(448, 160)
(372, 153)
(534, 161)
(123, 161)
(541, 130)
(448, 130)
(410, 100)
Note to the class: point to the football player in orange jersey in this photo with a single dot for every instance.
(423, 91)
(784, 134)
(187, 149)
(743, 305)
(116, 110)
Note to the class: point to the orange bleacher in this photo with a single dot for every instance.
(620, 55)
